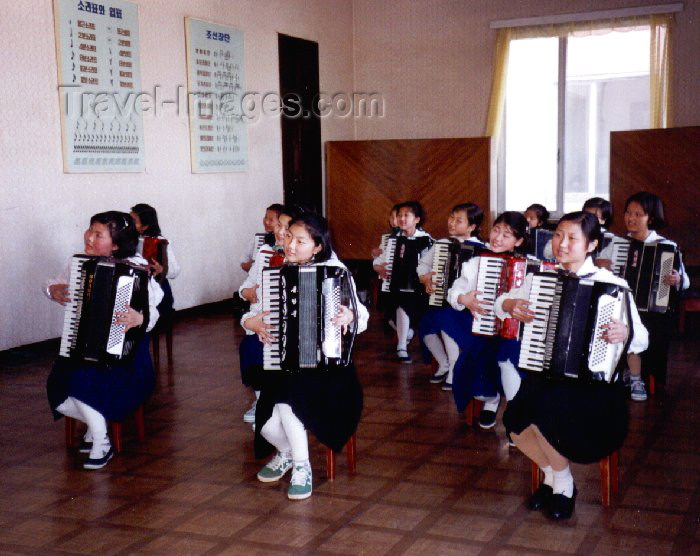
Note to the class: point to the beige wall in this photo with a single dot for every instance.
(208, 218)
(430, 59)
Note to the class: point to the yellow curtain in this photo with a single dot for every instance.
(660, 62)
(660, 100)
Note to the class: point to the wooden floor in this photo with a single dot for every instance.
(425, 483)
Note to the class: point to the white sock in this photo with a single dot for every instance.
(633, 378)
(69, 409)
(564, 482)
(491, 404)
(548, 475)
(403, 323)
(451, 348)
(437, 349)
(97, 427)
(295, 433)
(510, 379)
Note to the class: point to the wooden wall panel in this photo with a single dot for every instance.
(665, 162)
(366, 178)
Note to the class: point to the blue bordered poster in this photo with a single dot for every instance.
(99, 84)
(216, 84)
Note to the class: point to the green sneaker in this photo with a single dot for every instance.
(300, 485)
(275, 468)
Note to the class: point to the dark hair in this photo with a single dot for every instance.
(589, 225)
(148, 217)
(317, 227)
(515, 221)
(416, 208)
(275, 207)
(122, 230)
(541, 212)
(474, 214)
(395, 208)
(291, 210)
(603, 205)
(651, 205)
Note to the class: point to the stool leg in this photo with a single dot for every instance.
(169, 345)
(470, 413)
(535, 477)
(605, 481)
(117, 437)
(652, 385)
(615, 472)
(350, 448)
(69, 431)
(140, 424)
(156, 351)
(330, 464)
(477, 407)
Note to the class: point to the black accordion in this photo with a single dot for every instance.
(539, 239)
(302, 302)
(565, 339)
(403, 261)
(619, 249)
(647, 266)
(98, 288)
(448, 257)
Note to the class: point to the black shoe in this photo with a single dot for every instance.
(562, 507)
(99, 463)
(487, 419)
(541, 498)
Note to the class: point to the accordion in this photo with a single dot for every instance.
(448, 257)
(261, 239)
(302, 302)
(156, 249)
(619, 248)
(539, 239)
(647, 266)
(98, 288)
(388, 247)
(565, 339)
(497, 275)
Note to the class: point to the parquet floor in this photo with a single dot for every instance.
(426, 483)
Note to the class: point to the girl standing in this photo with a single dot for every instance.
(407, 293)
(554, 421)
(644, 214)
(93, 394)
(327, 403)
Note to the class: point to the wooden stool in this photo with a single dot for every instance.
(473, 411)
(155, 337)
(330, 459)
(116, 429)
(609, 477)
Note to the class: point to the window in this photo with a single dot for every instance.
(563, 97)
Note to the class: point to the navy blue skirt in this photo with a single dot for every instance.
(115, 391)
(251, 356)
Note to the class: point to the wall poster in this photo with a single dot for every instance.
(215, 86)
(99, 84)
